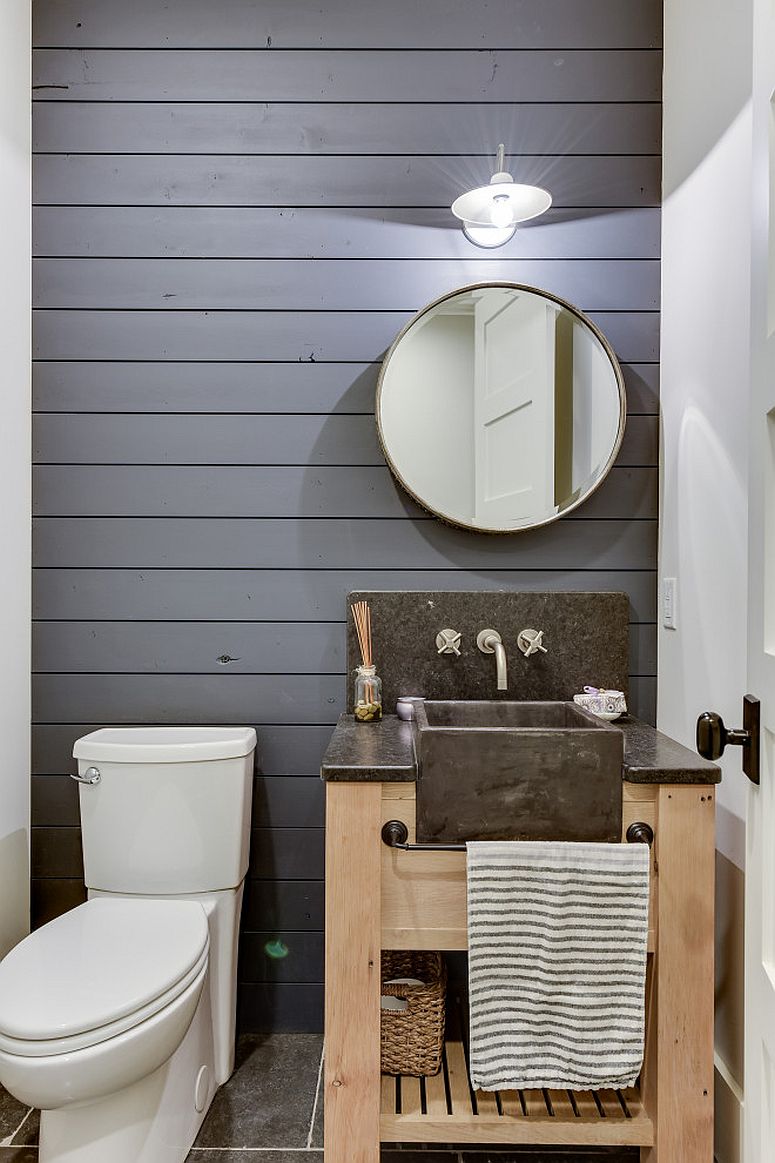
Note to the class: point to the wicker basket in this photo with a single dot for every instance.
(412, 1039)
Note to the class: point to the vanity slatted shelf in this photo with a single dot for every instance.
(444, 1108)
(379, 897)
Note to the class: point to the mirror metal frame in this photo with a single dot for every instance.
(587, 322)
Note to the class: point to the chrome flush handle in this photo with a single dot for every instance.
(90, 776)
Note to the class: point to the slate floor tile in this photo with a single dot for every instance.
(268, 1100)
(18, 1155)
(28, 1133)
(316, 1139)
(11, 1113)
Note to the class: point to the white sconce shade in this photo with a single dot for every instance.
(488, 236)
(499, 206)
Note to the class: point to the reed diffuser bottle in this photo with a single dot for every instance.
(367, 701)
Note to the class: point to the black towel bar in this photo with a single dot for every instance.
(395, 834)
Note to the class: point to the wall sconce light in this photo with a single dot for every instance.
(490, 213)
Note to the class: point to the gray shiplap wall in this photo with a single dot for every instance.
(237, 207)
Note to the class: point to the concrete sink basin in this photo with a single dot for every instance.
(505, 770)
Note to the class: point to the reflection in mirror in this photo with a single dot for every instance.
(500, 407)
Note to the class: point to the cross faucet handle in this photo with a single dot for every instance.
(531, 641)
(448, 641)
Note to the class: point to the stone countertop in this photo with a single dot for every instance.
(651, 757)
(384, 752)
(381, 751)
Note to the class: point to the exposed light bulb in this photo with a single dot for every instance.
(500, 212)
(490, 213)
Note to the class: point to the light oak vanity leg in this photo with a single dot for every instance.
(678, 1076)
(353, 938)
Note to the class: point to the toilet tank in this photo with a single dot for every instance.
(170, 812)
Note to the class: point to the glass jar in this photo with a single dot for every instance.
(368, 695)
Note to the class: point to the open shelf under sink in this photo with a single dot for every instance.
(444, 1108)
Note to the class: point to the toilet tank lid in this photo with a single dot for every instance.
(164, 744)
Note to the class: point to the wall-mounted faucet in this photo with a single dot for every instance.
(490, 642)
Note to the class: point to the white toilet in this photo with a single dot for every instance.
(117, 1019)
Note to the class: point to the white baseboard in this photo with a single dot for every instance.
(728, 1096)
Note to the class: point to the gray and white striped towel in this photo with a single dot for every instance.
(557, 937)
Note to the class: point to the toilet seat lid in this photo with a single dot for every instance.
(97, 964)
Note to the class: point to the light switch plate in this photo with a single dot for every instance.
(669, 603)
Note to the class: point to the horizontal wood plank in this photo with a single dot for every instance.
(54, 802)
(279, 955)
(282, 751)
(220, 491)
(643, 698)
(341, 75)
(288, 802)
(307, 441)
(361, 336)
(327, 284)
(49, 898)
(280, 1007)
(243, 232)
(242, 543)
(287, 181)
(343, 128)
(304, 648)
(221, 647)
(643, 649)
(305, 24)
(235, 595)
(286, 853)
(242, 388)
(283, 904)
(190, 698)
(185, 698)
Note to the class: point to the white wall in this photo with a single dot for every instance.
(428, 423)
(705, 384)
(14, 469)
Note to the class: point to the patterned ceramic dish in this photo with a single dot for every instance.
(603, 703)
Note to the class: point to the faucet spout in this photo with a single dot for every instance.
(490, 642)
(500, 665)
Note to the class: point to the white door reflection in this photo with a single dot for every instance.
(500, 407)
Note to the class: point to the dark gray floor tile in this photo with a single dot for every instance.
(28, 1133)
(317, 1127)
(11, 1113)
(18, 1155)
(268, 1100)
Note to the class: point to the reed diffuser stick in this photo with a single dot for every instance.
(362, 619)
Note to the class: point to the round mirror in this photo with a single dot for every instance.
(500, 407)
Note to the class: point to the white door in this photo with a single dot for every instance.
(759, 1107)
(513, 408)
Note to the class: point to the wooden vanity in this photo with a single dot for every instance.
(378, 898)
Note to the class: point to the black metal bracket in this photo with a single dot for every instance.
(713, 736)
(396, 834)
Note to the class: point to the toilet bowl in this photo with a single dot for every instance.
(117, 1018)
(99, 1001)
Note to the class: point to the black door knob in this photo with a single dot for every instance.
(713, 736)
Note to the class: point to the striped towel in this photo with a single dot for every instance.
(557, 937)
